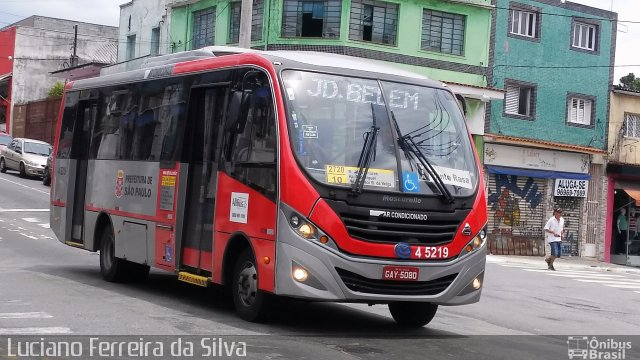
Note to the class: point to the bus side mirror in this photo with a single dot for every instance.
(463, 103)
(239, 106)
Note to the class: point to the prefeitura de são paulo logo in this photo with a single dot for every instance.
(119, 183)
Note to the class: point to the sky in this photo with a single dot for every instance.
(107, 12)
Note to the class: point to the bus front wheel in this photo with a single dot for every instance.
(412, 314)
(250, 302)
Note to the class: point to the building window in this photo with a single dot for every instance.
(520, 100)
(311, 18)
(374, 21)
(443, 32)
(632, 125)
(524, 23)
(155, 41)
(580, 111)
(256, 21)
(204, 24)
(584, 36)
(131, 47)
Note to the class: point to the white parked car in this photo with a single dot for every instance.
(27, 156)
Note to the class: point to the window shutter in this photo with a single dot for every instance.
(511, 99)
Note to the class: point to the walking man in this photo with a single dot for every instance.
(553, 231)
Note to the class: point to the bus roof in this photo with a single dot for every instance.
(310, 60)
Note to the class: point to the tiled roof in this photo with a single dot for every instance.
(545, 144)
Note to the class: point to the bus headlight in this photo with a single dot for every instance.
(303, 228)
(476, 243)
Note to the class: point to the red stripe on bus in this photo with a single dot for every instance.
(59, 203)
(128, 214)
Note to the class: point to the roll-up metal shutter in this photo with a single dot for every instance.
(516, 215)
(572, 213)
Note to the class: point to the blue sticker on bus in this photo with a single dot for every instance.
(410, 182)
(168, 253)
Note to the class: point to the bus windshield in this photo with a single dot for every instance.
(330, 116)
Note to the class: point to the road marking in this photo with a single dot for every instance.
(25, 186)
(23, 210)
(31, 220)
(45, 225)
(637, 286)
(25, 315)
(29, 236)
(580, 275)
(35, 331)
(612, 281)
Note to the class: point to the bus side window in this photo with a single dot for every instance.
(68, 122)
(251, 158)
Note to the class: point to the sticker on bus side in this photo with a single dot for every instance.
(345, 175)
(239, 207)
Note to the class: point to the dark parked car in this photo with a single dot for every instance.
(46, 178)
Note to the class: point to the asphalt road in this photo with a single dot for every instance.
(526, 312)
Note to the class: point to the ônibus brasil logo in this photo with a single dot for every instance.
(119, 183)
(583, 347)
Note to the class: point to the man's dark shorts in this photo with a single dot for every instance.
(556, 248)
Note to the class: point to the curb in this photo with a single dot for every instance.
(564, 262)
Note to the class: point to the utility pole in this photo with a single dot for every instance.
(74, 57)
(246, 11)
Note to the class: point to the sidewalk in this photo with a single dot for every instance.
(573, 262)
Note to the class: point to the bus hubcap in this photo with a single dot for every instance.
(247, 284)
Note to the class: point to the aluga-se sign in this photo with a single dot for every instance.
(571, 188)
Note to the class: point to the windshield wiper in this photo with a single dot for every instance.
(411, 149)
(367, 155)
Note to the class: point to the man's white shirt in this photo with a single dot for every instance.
(556, 226)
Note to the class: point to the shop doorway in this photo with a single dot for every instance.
(625, 240)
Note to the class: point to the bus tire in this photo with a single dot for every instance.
(412, 314)
(250, 302)
(112, 268)
(23, 171)
(3, 166)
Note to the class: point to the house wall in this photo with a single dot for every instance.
(41, 51)
(470, 68)
(557, 70)
(139, 17)
(623, 149)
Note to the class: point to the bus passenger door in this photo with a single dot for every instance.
(87, 112)
(201, 153)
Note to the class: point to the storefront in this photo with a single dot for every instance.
(524, 184)
(623, 220)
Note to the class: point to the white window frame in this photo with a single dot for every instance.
(512, 100)
(631, 125)
(579, 111)
(583, 38)
(522, 25)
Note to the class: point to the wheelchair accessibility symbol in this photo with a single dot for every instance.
(410, 182)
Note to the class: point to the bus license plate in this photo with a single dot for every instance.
(400, 273)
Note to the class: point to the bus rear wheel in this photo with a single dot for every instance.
(113, 269)
(412, 314)
(250, 302)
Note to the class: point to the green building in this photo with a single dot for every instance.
(444, 40)
(546, 142)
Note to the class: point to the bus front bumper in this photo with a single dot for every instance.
(336, 276)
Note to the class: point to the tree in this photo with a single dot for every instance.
(630, 82)
(56, 90)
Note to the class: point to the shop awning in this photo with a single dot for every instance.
(632, 189)
(540, 174)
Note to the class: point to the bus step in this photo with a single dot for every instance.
(193, 279)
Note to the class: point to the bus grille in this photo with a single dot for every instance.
(439, 228)
(362, 284)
